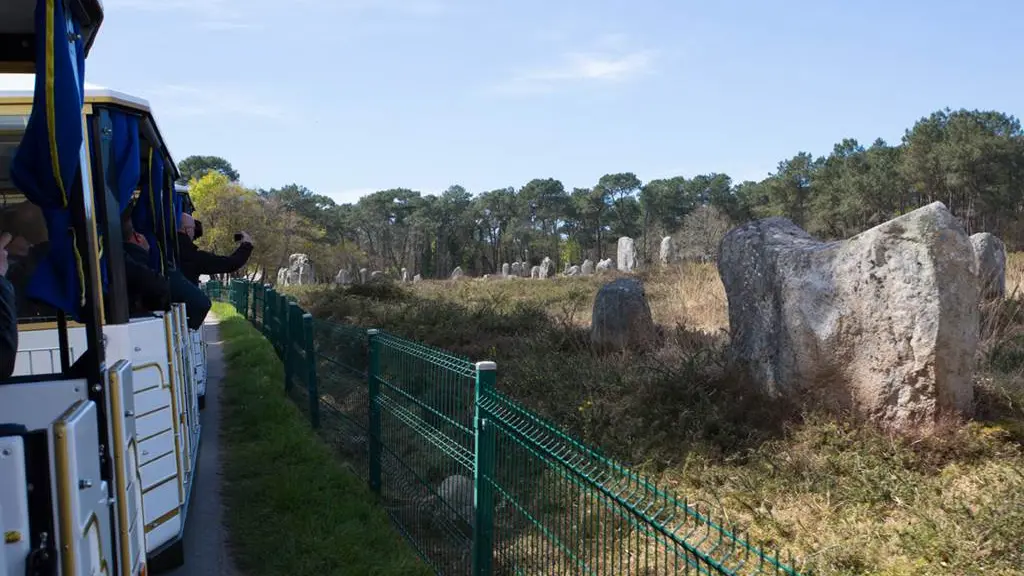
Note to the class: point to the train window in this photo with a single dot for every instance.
(24, 221)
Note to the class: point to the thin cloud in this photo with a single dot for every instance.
(583, 67)
(191, 101)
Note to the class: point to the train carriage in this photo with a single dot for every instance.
(99, 422)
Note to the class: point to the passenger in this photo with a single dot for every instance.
(148, 291)
(8, 315)
(195, 262)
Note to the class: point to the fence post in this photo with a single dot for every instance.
(269, 294)
(311, 384)
(281, 338)
(292, 338)
(245, 299)
(373, 386)
(483, 473)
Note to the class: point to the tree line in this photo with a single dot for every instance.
(972, 161)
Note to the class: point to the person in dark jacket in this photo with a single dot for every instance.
(8, 315)
(148, 291)
(195, 262)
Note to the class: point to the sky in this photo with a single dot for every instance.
(347, 97)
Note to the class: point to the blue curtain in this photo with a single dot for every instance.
(148, 214)
(124, 163)
(46, 163)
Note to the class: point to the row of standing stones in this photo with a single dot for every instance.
(884, 325)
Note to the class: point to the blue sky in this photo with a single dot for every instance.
(351, 96)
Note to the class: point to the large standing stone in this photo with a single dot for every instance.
(547, 268)
(300, 271)
(587, 268)
(991, 255)
(666, 254)
(621, 317)
(626, 254)
(884, 324)
(506, 269)
(457, 273)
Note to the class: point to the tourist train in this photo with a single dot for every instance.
(99, 422)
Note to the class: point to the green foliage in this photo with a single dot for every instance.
(195, 167)
(971, 160)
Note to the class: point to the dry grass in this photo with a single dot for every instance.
(846, 498)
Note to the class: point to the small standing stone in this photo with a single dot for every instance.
(626, 254)
(991, 255)
(505, 269)
(405, 274)
(364, 275)
(535, 272)
(457, 273)
(605, 264)
(666, 254)
(587, 269)
(517, 269)
(547, 268)
(621, 316)
(417, 278)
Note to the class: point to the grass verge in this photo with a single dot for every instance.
(292, 509)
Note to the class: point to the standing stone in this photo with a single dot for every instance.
(535, 272)
(505, 269)
(884, 324)
(456, 493)
(364, 275)
(547, 268)
(991, 255)
(282, 276)
(525, 269)
(605, 264)
(666, 254)
(300, 271)
(573, 271)
(376, 275)
(457, 273)
(626, 254)
(417, 278)
(587, 269)
(405, 275)
(343, 278)
(517, 269)
(621, 317)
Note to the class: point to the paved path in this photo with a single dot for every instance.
(206, 550)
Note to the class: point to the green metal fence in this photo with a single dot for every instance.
(478, 484)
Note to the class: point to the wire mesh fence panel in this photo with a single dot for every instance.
(562, 508)
(341, 353)
(423, 401)
(475, 482)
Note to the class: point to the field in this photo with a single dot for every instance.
(841, 495)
